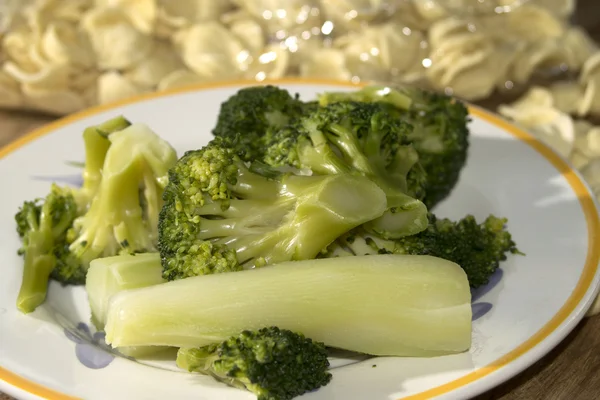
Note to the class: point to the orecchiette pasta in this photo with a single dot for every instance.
(62, 42)
(535, 111)
(212, 51)
(112, 86)
(51, 100)
(326, 63)
(115, 41)
(142, 13)
(160, 62)
(354, 14)
(78, 48)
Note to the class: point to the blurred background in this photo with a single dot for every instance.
(536, 62)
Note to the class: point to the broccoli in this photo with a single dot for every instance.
(272, 363)
(43, 224)
(384, 305)
(123, 218)
(477, 248)
(220, 215)
(364, 139)
(96, 143)
(246, 116)
(115, 211)
(440, 133)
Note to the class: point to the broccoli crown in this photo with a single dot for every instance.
(272, 363)
(222, 215)
(246, 116)
(440, 132)
(441, 137)
(477, 248)
(359, 138)
(42, 225)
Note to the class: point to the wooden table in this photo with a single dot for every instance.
(571, 371)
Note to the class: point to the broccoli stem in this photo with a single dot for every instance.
(394, 305)
(96, 144)
(38, 265)
(111, 275)
(369, 94)
(314, 210)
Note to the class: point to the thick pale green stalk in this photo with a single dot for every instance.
(394, 305)
(111, 275)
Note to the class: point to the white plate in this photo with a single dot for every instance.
(531, 305)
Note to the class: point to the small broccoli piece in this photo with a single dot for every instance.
(440, 133)
(220, 215)
(246, 117)
(96, 143)
(123, 218)
(359, 138)
(477, 248)
(43, 225)
(272, 363)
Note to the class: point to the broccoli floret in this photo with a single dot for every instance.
(440, 133)
(359, 138)
(115, 211)
(246, 117)
(43, 224)
(123, 218)
(477, 248)
(272, 363)
(220, 215)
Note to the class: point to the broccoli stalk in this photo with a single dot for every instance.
(393, 305)
(272, 363)
(96, 144)
(440, 133)
(477, 248)
(219, 215)
(42, 228)
(116, 220)
(359, 138)
(110, 275)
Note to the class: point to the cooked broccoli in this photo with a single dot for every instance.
(221, 215)
(115, 211)
(43, 224)
(246, 116)
(96, 143)
(364, 139)
(477, 248)
(272, 363)
(440, 133)
(123, 218)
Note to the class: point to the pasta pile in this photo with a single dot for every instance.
(61, 56)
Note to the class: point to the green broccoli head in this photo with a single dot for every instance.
(272, 363)
(43, 225)
(365, 139)
(246, 117)
(477, 248)
(440, 133)
(222, 215)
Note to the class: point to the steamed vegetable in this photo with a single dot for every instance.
(393, 305)
(272, 363)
